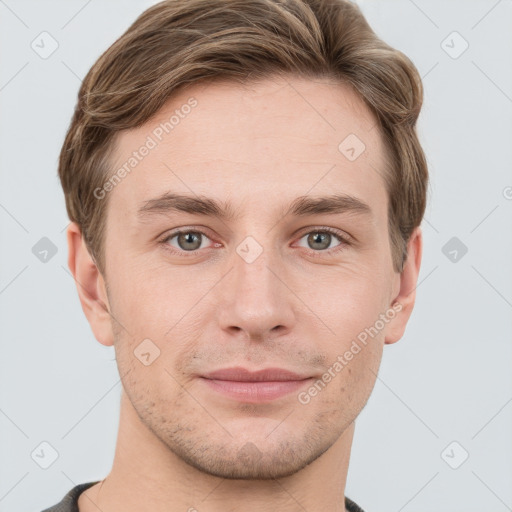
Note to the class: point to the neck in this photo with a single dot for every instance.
(146, 475)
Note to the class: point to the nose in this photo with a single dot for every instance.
(255, 300)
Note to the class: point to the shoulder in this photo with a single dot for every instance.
(352, 506)
(70, 501)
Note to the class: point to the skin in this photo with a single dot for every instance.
(181, 445)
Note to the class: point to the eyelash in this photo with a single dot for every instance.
(343, 239)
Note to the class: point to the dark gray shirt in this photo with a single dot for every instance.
(70, 502)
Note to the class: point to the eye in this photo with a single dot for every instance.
(185, 241)
(320, 240)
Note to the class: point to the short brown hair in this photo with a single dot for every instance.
(176, 43)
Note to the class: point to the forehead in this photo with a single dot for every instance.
(262, 142)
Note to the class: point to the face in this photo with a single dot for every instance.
(240, 320)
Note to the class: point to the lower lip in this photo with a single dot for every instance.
(255, 392)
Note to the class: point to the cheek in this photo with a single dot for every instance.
(354, 352)
(342, 391)
(353, 302)
(152, 300)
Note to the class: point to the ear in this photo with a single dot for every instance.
(90, 285)
(403, 302)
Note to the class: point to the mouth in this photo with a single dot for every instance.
(255, 387)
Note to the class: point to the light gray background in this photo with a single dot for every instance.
(449, 378)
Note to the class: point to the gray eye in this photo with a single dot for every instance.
(188, 240)
(319, 240)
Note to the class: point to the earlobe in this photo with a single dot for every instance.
(403, 303)
(90, 286)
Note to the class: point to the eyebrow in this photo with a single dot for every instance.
(299, 207)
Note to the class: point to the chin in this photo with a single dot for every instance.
(251, 462)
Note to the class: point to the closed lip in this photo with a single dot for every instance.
(239, 374)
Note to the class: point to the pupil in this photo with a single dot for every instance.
(318, 238)
(189, 238)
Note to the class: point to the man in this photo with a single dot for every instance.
(246, 186)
